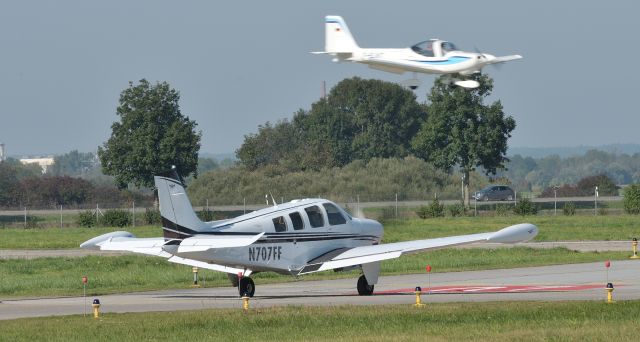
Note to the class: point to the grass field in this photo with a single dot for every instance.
(513, 321)
(117, 274)
(552, 228)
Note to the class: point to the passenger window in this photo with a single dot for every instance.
(334, 215)
(279, 224)
(315, 216)
(296, 220)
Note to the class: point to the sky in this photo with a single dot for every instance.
(239, 64)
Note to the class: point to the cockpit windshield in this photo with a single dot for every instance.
(447, 47)
(424, 48)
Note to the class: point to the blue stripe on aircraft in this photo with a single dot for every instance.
(332, 22)
(448, 61)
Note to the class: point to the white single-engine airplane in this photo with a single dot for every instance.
(432, 56)
(295, 238)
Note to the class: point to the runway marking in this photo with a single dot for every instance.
(495, 289)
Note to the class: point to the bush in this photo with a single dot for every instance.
(632, 199)
(502, 209)
(152, 216)
(525, 207)
(116, 218)
(569, 209)
(456, 210)
(435, 209)
(205, 215)
(87, 219)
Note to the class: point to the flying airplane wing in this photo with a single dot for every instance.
(367, 254)
(503, 59)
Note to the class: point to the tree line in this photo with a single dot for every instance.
(536, 174)
(364, 119)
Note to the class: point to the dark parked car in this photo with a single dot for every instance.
(495, 193)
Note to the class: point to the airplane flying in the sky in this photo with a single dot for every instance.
(432, 56)
(294, 238)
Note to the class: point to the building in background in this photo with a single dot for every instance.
(44, 163)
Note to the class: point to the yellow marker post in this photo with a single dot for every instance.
(245, 302)
(195, 276)
(609, 289)
(635, 249)
(96, 308)
(418, 303)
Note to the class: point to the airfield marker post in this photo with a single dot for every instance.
(418, 303)
(428, 268)
(84, 293)
(634, 244)
(245, 302)
(60, 215)
(96, 308)
(609, 290)
(133, 211)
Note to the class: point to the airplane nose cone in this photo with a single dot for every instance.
(371, 227)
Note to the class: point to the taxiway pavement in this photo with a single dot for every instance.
(546, 283)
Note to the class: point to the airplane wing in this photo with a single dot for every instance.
(503, 59)
(205, 265)
(367, 254)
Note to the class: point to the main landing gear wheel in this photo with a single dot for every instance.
(246, 287)
(364, 289)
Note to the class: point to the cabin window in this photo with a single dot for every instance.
(334, 215)
(424, 48)
(315, 216)
(280, 224)
(296, 220)
(447, 47)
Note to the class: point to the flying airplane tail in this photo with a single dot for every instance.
(338, 38)
(179, 220)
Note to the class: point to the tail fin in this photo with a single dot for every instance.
(338, 38)
(179, 221)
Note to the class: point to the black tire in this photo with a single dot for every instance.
(485, 198)
(247, 287)
(510, 198)
(364, 289)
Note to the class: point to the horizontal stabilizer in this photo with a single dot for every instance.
(127, 242)
(200, 243)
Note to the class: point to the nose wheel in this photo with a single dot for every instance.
(246, 286)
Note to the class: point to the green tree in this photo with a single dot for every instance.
(632, 199)
(461, 130)
(360, 119)
(151, 136)
(9, 185)
(73, 163)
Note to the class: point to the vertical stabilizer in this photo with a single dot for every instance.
(178, 218)
(338, 38)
